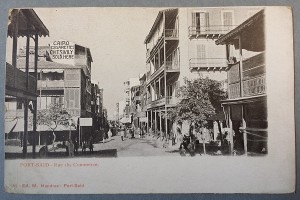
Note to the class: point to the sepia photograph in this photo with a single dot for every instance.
(89, 86)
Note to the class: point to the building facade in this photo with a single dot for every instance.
(20, 85)
(68, 85)
(181, 44)
(246, 106)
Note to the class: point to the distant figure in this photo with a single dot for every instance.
(76, 146)
(109, 134)
(71, 148)
(84, 146)
(91, 145)
(122, 132)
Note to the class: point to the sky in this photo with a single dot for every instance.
(115, 37)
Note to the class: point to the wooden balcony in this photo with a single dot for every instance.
(254, 78)
(171, 34)
(169, 101)
(172, 67)
(212, 31)
(208, 64)
(50, 84)
(16, 83)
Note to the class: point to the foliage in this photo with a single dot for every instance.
(200, 99)
(54, 116)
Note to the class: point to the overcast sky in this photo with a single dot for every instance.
(115, 37)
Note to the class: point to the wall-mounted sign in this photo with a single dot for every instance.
(85, 122)
(62, 51)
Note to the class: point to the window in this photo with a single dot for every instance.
(200, 52)
(227, 18)
(72, 98)
(200, 21)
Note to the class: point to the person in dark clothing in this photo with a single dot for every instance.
(91, 145)
(76, 146)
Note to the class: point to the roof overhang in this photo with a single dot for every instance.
(252, 33)
(29, 23)
(245, 100)
(156, 22)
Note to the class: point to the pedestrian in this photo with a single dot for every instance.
(122, 133)
(76, 146)
(91, 145)
(71, 148)
(109, 133)
(84, 146)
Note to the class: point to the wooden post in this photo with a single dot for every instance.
(15, 21)
(25, 127)
(155, 121)
(244, 131)
(231, 129)
(165, 77)
(36, 39)
(241, 66)
(26, 100)
(160, 120)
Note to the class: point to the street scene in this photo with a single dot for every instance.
(89, 82)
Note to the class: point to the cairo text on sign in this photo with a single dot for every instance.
(62, 50)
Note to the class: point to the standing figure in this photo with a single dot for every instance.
(122, 133)
(84, 146)
(76, 146)
(91, 145)
(71, 148)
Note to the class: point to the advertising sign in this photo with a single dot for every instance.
(85, 122)
(62, 51)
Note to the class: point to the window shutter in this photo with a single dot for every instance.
(207, 19)
(77, 98)
(201, 54)
(193, 19)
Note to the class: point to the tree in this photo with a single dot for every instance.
(200, 99)
(53, 116)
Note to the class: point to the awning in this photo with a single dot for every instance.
(125, 120)
(15, 125)
(252, 33)
(29, 23)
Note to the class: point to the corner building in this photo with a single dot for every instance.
(181, 44)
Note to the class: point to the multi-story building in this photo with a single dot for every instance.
(20, 85)
(127, 89)
(65, 84)
(181, 44)
(246, 106)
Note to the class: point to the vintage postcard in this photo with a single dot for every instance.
(149, 100)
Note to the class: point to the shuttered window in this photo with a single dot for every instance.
(72, 98)
(227, 18)
(201, 52)
(200, 19)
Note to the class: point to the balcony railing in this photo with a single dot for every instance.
(208, 63)
(50, 84)
(171, 66)
(16, 80)
(254, 82)
(168, 101)
(171, 101)
(195, 31)
(157, 72)
(171, 33)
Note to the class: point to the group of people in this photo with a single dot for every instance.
(125, 132)
(72, 147)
